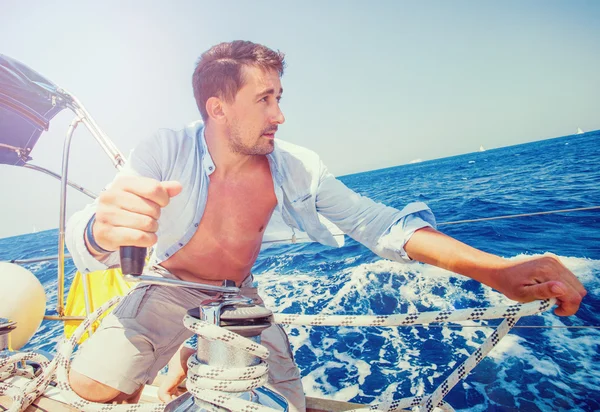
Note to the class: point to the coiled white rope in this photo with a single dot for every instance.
(511, 314)
(22, 397)
(207, 383)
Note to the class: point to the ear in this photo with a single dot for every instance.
(215, 109)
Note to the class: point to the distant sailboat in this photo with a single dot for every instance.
(481, 149)
(579, 131)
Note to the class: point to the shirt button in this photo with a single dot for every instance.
(210, 168)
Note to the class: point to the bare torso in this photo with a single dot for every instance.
(228, 239)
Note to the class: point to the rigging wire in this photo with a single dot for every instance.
(514, 327)
(549, 212)
(482, 219)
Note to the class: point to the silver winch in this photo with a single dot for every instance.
(6, 326)
(236, 313)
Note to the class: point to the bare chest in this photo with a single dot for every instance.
(228, 239)
(239, 209)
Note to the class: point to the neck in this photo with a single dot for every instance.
(226, 161)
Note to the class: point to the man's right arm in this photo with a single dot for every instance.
(126, 212)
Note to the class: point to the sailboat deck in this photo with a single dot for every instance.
(52, 402)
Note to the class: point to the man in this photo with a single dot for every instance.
(204, 196)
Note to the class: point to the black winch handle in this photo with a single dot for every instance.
(132, 260)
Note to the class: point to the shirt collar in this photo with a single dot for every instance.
(275, 163)
(209, 166)
(207, 161)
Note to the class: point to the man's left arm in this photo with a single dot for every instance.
(409, 234)
(521, 280)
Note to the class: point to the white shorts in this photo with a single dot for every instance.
(139, 337)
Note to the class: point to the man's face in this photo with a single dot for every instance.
(254, 115)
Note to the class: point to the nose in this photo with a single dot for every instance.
(278, 117)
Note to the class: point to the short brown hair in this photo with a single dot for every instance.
(219, 70)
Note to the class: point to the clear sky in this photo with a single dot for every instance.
(369, 84)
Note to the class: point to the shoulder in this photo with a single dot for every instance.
(289, 151)
(157, 154)
(164, 144)
(170, 138)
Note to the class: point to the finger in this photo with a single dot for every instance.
(164, 397)
(124, 236)
(115, 217)
(145, 187)
(571, 280)
(566, 307)
(168, 390)
(566, 275)
(545, 290)
(172, 187)
(578, 287)
(128, 201)
(567, 298)
(575, 283)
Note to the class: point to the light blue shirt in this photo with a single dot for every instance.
(312, 205)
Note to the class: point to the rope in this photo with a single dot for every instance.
(246, 378)
(22, 397)
(463, 370)
(63, 362)
(496, 312)
(510, 313)
(217, 379)
(208, 383)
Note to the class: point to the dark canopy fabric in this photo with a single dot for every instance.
(28, 101)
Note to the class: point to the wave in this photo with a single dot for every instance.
(371, 364)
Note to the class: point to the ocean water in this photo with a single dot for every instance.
(532, 369)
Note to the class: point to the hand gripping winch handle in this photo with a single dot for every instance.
(132, 260)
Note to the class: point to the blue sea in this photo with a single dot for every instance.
(532, 369)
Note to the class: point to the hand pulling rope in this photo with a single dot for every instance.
(206, 383)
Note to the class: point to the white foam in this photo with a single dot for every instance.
(309, 291)
(362, 367)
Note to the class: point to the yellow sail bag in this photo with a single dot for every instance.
(103, 285)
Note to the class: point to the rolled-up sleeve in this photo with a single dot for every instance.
(74, 238)
(383, 229)
(391, 244)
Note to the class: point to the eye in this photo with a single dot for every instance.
(264, 99)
